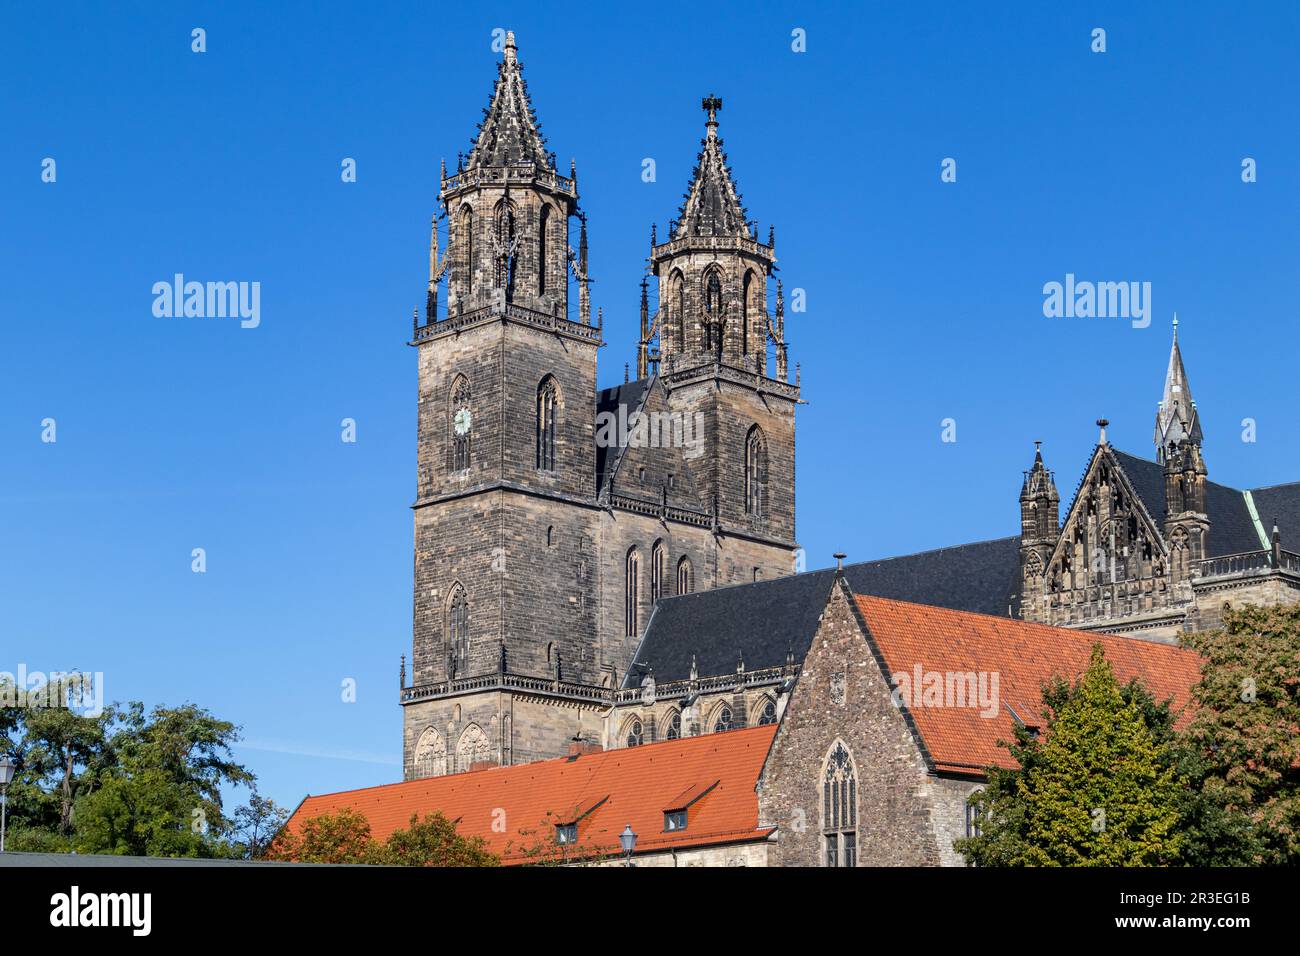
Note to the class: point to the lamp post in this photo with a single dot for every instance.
(6, 776)
(628, 839)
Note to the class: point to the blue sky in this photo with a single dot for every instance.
(924, 298)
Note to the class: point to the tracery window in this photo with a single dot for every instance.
(544, 223)
(723, 721)
(840, 808)
(458, 631)
(685, 576)
(658, 571)
(635, 733)
(631, 592)
(755, 473)
(460, 424)
(768, 714)
(548, 398)
(674, 731)
(712, 309)
(430, 754)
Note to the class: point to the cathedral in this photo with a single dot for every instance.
(612, 568)
(547, 526)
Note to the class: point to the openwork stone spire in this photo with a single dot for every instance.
(1176, 416)
(509, 134)
(712, 206)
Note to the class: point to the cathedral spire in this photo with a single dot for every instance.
(712, 205)
(509, 134)
(1176, 417)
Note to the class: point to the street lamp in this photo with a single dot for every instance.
(6, 777)
(628, 839)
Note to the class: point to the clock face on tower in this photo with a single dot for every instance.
(461, 421)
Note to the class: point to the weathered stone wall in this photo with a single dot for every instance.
(842, 695)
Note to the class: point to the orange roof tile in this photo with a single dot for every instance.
(1024, 656)
(526, 801)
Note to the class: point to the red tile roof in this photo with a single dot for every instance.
(629, 786)
(1024, 656)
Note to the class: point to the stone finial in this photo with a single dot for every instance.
(1102, 423)
(839, 557)
(712, 105)
(512, 52)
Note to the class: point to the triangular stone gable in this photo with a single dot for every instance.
(1105, 470)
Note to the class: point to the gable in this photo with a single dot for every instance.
(1137, 525)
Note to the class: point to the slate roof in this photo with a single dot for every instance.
(1024, 657)
(631, 394)
(1280, 503)
(602, 792)
(762, 621)
(1232, 531)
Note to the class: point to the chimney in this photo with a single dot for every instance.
(580, 748)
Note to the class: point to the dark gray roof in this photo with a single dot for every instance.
(760, 622)
(1280, 503)
(631, 394)
(1232, 530)
(983, 576)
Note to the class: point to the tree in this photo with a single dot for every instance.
(344, 837)
(1098, 789)
(255, 824)
(340, 837)
(1242, 746)
(162, 795)
(434, 842)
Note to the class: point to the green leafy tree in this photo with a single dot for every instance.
(433, 841)
(256, 823)
(341, 837)
(1242, 747)
(162, 795)
(1098, 789)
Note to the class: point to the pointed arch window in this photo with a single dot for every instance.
(505, 223)
(548, 400)
(658, 571)
(840, 808)
(677, 307)
(745, 293)
(458, 631)
(631, 595)
(543, 224)
(712, 308)
(685, 576)
(635, 733)
(430, 754)
(460, 424)
(674, 726)
(723, 720)
(756, 473)
(767, 713)
(466, 232)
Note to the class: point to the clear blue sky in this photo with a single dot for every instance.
(924, 298)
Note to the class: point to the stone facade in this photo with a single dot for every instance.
(903, 813)
(542, 536)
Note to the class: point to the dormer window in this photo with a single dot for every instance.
(674, 820)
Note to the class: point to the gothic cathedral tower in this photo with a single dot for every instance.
(506, 453)
(715, 335)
